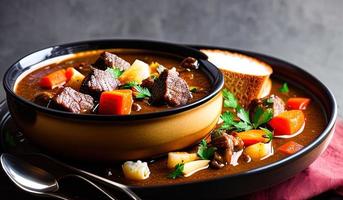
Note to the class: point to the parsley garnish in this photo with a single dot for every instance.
(205, 152)
(229, 99)
(177, 171)
(243, 115)
(268, 133)
(284, 88)
(228, 119)
(243, 126)
(262, 116)
(129, 85)
(141, 92)
(193, 89)
(115, 72)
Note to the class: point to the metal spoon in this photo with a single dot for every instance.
(33, 179)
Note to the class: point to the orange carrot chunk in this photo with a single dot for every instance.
(290, 148)
(70, 71)
(53, 79)
(116, 102)
(252, 137)
(297, 103)
(288, 122)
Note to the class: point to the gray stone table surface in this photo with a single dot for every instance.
(308, 33)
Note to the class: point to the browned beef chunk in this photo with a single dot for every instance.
(190, 63)
(73, 101)
(271, 101)
(98, 81)
(226, 145)
(84, 68)
(148, 83)
(171, 89)
(43, 99)
(110, 60)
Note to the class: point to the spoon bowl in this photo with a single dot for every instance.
(27, 176)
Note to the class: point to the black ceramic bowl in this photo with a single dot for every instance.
(121, 137)
(266, 176)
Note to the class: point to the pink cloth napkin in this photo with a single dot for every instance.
(324, 174)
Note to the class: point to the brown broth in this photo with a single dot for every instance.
(315, 118)
(315, 123)
(29, 87)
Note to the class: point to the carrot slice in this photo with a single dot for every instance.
(288, 122)
(70, 71)
(290, 147)
(252, 137)
(116, 102)
(298, 103)
(53, 79)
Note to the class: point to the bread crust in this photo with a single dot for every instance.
(246, 87)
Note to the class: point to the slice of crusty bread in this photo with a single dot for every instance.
(246, 77)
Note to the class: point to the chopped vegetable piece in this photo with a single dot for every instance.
(253, 136)
(54, 79)
(141, 92)
(290, 147)
(177, 171)
(138, 71)
(259, 151)
(192, 167)
(284, 88)
(288, 122)
(297, 103)
(115, 72)
(153, 67)
(205, 152)
(136, 170)
(175, 158)
(229, 99)
(116, 102)
(74, 78)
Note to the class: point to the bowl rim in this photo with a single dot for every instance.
(218, 82)
(274, 165)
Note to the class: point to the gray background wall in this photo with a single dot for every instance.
(308, 33)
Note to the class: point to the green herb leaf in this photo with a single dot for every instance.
(268, 133)
(141, 92)
(129, 85)
(205, 152)
(177, 171)
(193, 89)
(243, 126)
(115, 72)
(228, 119)
(284, 88)
(243, 115)
(262, 116)
(229, 99)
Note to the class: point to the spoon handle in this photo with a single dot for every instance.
(94, 185)
(93, 177)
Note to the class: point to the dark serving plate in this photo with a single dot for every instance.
(227, 186)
